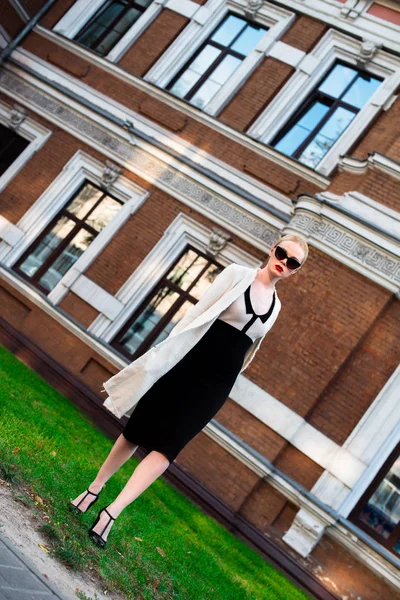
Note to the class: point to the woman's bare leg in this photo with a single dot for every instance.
(147, 471)
(119, 454)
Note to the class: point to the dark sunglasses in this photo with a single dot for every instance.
(291, 263)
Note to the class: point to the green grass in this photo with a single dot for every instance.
(48, 445)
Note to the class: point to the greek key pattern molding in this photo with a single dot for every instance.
(342, 241)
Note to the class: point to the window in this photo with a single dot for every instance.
(216, 60)
(67, 237)
(11, 146)
(174, 294)
(378, 512)
(110, 23)
(325, 115)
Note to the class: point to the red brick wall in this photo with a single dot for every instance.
(78, 309)
(10, 20)
(374, 183)
(363, 375)
(153, 42)
(264, 83)
(305, 33)
(383, 135)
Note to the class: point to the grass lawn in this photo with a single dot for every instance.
(161, 546)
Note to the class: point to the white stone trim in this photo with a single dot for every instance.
(285, 53)
(345, 466)
(334, 45)
(28, 129)
(182, 231)
(375, 160)
(96, 296)
(79, 168)
(9, 232)
(72, 22)
(198, 30)
(372, 441)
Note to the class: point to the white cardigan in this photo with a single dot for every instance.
(127, 387)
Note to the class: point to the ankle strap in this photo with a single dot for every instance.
(113, 518)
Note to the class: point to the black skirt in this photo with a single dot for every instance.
(186, 398)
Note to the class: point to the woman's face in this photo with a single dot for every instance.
(278, 268)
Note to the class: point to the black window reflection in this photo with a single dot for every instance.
(11, 146)
(325, 115)
(174, 295)
(378, 511)
(67, 237)
(216, 60)
(110, 23)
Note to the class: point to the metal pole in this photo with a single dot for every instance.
(24, 32)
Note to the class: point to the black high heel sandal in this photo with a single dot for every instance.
(74, 507)
(96, 537)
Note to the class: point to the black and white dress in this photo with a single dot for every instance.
(186, 398)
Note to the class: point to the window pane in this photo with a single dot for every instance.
(328, 135)
(129, 18)
(228, 30)
(225, 69)
(144, 3)
(84, 201)
(145, 323)
(205, 59)
(248, 40)
(382, 511)
(338, 79)
(103, 213)
(205, 281)
(109, 14)
(91, 35)
(361, 91)
(193, 73)
(299, 132)
(187, 269)
(108, 42)
(171, 324)
(205, 93)
(66, 259)
(48, 244)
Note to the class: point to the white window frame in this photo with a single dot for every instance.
(72, 22)
(182, 231)
(81, 167)
(36, 134)
(334, 45)
(203, 22)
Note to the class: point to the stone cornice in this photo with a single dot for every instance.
(355, 230)
(375, 160)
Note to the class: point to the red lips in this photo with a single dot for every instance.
(279, 268)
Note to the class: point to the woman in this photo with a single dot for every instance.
(177, 388)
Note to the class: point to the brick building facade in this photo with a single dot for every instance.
(205, 130)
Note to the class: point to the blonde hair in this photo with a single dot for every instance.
(292, 237)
